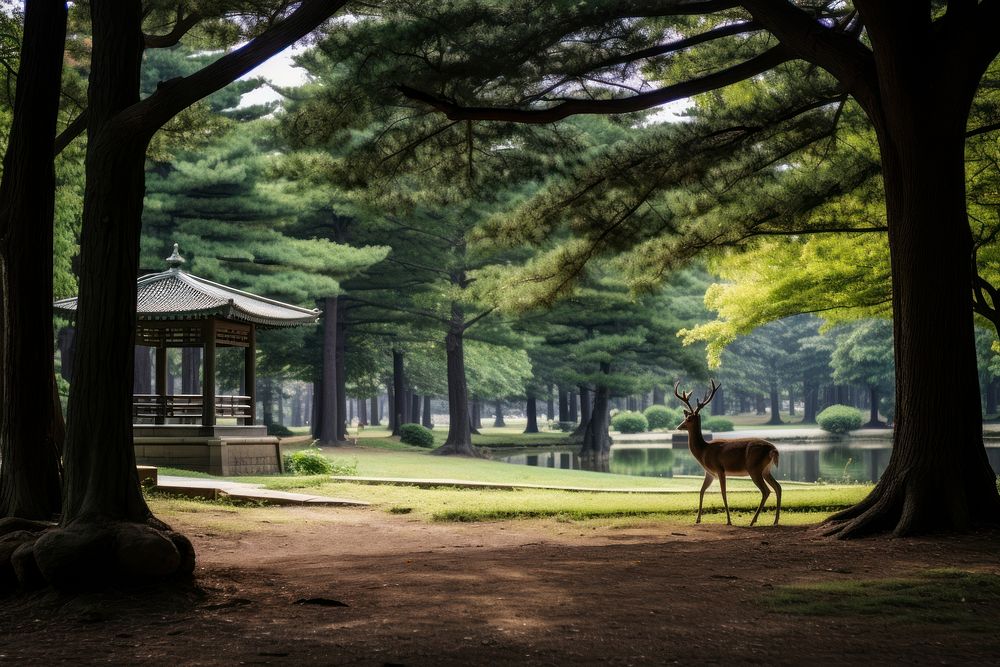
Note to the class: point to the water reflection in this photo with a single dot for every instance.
(849, 461)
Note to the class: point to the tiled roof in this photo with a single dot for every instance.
(176, 295)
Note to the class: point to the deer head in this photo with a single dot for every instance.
(691, 414)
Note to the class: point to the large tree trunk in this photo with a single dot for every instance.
(791, 402)
(426, 420)
(938, 477)
(498, 414)
(190, 370)
(586, 412)
(30, 413)
(317, 413)
(415, 405)
(563, 405)
(362, 412)
(143, 373)
(373, 417)
(532, 412)
(658, 396)
(596, 448)
(341, 372)
(390, 406)
(810, 392)
(267, 401)
(775, 406)
(459, 439)
(719, 402)
(873, 420)
(398, 392)
(329, 402)
(550, 406)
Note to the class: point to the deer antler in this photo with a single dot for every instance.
(684, 396)
(708, 396)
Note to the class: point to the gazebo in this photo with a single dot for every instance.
(207, 432)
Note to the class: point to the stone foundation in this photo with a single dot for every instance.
(228, 456)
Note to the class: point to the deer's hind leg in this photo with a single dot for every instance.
(758, 479)
(777, 492)
(701, 498)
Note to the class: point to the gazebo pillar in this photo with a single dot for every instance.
(208, 377)
(161, 384)
(250, 372)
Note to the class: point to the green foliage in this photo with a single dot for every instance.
(839, 419)
(308, 462)
(717, 424)
(415, 434)
(661, 417)
(279, 430)
(629, 422)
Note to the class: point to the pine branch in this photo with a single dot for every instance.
(181, 28)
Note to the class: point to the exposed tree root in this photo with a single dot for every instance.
(90, 554)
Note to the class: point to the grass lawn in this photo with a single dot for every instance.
(380, 457)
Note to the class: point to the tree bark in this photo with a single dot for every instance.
(563, 405)
(190, 370)
(991, 397)
(873, 420)
(459, 439)
(329, 402)
(550, 407)
(658, 396)
(398, 392)
(719, 402)
(938, 477)
(362, 411)
(498, 415)
(775, 406)
(66, 349)
(586, 411)
(426, 420)
(143, 374)
(374, 416)
(390, 407)
(317, 412)
(30, 412)
(267, 401)
(810, 392)
(415, 406)
(532, 412)
(791, 402)
(341, 373)
(596, 447)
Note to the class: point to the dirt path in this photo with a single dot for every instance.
(499, 593)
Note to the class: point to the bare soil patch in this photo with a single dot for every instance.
(334, 586)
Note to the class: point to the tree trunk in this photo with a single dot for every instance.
(550, 406)
(498, 417)
(426, 419)
(190, 370)
(30, 413)
(374, 417)
(341, 372)
(477, 415)
(791, 402)
(66, 349)
(596, 447)
(658, 396)
(873, 420)
(719, 403)
(572, 406)
(775, 406)
(267, 401)
(459, 439)
(760, 406)
(398, 392)
(390, 407)
(563, 405)
(329, 402)
(143, 374)
(532, 412)
(991, 397)
(296, 417)
(362, 412)
(317, 412)
(810, 392)
(938, 477)
(415, 405)
(586, 411)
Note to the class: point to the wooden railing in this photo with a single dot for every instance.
(187, 408)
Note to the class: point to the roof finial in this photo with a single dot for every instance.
(175, 260)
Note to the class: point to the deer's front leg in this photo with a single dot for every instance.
(725, 501)
(707, 483)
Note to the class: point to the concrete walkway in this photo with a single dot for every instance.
(214, 489)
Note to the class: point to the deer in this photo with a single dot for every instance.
(737, 456)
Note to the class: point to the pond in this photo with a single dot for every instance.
(845, 461)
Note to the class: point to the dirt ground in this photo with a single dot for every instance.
(539, 592)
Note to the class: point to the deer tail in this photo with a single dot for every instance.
(774, 458)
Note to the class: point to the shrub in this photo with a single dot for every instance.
(839, 419)
(279, 430)
(308, 462)
(716, 424)
(566, 427)
(415, 434)
(629, 422)
(660, 416)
